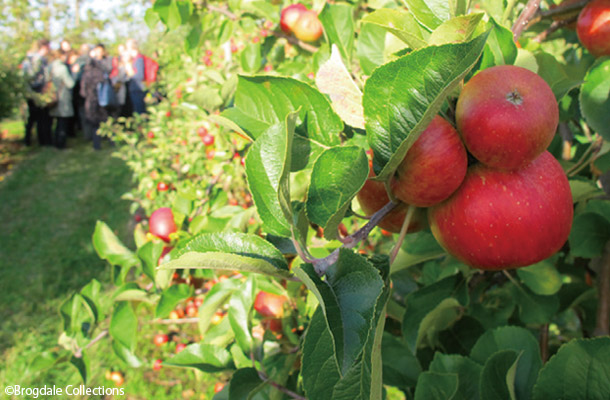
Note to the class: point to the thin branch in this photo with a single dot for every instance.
(555, 26)
(79, 352)
(279, 387)
(222, 10)
(180, 321)
(531, 8)
(602, 325)
(403, 233)
(562, 9)
(544, 342)
(294, 41)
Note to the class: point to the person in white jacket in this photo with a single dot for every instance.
(64, 109)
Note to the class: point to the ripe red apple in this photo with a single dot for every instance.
(218, 386)
(150, 134)
(269, 304)
(157, 364)
(506, 219)
(168, 114)
(191, 311)
(180, 347)
(289, 16)
(160, 339)
(273, 324)
(208, 139)
(161, 223)
(162, 187)
(433, 168)
(308, 27)
(507, 116)
(202, 131)
(593, 27)
(373, 196)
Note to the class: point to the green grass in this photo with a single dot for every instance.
(49, 203)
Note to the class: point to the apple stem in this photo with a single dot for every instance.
(321, 265)
(79, 353)
(403, 233)
(531, 8)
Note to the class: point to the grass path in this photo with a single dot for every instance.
(49, 204)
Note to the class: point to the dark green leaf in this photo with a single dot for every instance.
(595, 97)
(542, 278)
(589, 235)
(579, 371)
(468, 372)
(240, 305)
(498, 376)
(82, 366)
(204, 357)
(337, 176)
(149, 253)
(400, 367)
(436, 386)
(401, 97)
(500, 48)
(244, 382)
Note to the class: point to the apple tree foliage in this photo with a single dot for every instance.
(356, 323)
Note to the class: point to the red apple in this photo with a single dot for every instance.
(162, 187)
(506, 219)
(273, 324)
(208, 139)
(433, 168)
(180, 347)
(168, 114)
(117, 377)
(593, 27)
(218, 386)
(191, 311)
(201, 131)
(161, 223)
(269, 304)
(289, 16)
(507, 116)
(157, 364)
(373, 196)
(150, 134)
(164, 252)
(308, 27)
(160, 339)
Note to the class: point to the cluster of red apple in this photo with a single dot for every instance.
(303, 23)
(511, 209)
(593, 27)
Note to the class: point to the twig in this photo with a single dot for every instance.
(555, 26)
(322, 264)
(79, 353)
(223, 11)
(292, 40)
(528, 13)
(279, 387)
(180, 321)
(557, 11)
(602, 325)
(544, 342)
(403, 233)
(592, 150)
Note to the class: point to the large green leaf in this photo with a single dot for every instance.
(171, 297)
(262, 101)
(589, 235)
(149, 253)
(542, 278)
(244, 382)
(337, 176)
(595, 97)
(348, 298)
(401, 97)
(268, 167)
(468, 372)
(124, 324)
(109, 247)
(204, 357)
(522, 342)
(554, 73)
(457, 29)
(498, 376)
(400, 23)
(240, 305)
(370, 47)
(400, 367)
(500, 48)
(232, 251)
(338, 22)
(436, 386)
(430, 13)
(579, 371)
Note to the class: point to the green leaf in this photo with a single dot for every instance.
(240, 305)
(251, 58)
(533, 308)
(334, 79)
(267, 100)
(400, 367)
(500, 48)
(204, 357)
(232, 251)
(171, 297)
(401, 97)
(522, 342)
(554, 73)
(151, 17)
(468, 372)
(123, 324)
(109, 247)
(320, 369)
(400, 23)
(436, 386)
(78, 316)
(262, 9)
(126, 354)
(417, 248)
(92, 295)
(149, 253)
(456, 30)
(337, 176)
(243, 382)
(347, 297)
(579, 371)
(595, 97)
(430, 13)
(542, 278)
(268, 167)
(424, 301)
(338, 23)
(82, 365)
(498, 376)
(442, 317)
(589, 235)
(131, 292)
(161, 7)
(370, 47)
(583, 190)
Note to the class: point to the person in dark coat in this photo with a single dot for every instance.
(94, 73)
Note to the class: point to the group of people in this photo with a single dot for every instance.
(64, 89)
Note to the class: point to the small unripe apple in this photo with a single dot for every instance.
(373, 196)
(289, 16)
(506, 219)
(117, 377)
(160, 339)
(433, 168)
(157, 364)
(507, 116)
(269, 304)
(308, 27)
(593, 27)
(161, 223)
